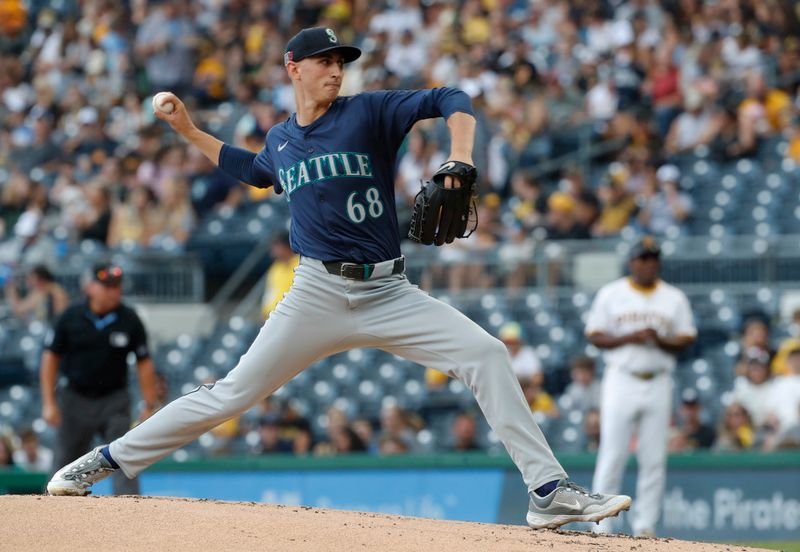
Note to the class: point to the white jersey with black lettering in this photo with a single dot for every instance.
(637, 390)
(621, 307)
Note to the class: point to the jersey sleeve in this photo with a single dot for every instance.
(396, 111)
(684, 319)
(139, 339)
(598, 319)
(246, 166)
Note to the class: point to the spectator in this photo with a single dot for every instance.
(784, 399)
(292, 421)
(754, 389)
(270, 440)
(16, 195)
(395, 427)
(43, 151)
(765, 110)
(90, 140)
(32, 456)
(591, 429)
(419, 162)
(665, 206)
(463, 433)
(345, 441)
(280, 273)
(662, 87)
(6, 452)
(303, 443)
(406, 57)
(363, 428)
(696, 126)
(539, 400)
(134, 221)
(561, 220)
(94, 222)
(45, 299)
(584, 389)
(692, 433)
(736, 430)
(177, 216)
(524, 361)
(755, 339)
(779, 366)
(165, 42)
(618, 204)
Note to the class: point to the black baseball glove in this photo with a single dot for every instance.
(443, 214)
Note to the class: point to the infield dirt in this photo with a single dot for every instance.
(45, 523)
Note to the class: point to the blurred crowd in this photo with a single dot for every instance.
(83, 159)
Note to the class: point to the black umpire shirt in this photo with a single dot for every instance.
(94, 349)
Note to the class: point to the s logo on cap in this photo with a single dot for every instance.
(331, 35)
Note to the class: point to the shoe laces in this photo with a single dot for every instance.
(80, 472)
(575, 488)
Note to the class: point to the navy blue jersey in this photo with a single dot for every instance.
(338, 172)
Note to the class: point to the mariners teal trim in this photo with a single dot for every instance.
(366, 271)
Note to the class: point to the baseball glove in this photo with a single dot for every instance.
(443, 214)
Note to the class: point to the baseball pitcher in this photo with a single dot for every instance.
(334, 160)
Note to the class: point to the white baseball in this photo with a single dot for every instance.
(161, 102)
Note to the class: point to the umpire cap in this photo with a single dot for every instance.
(107, 274)
(316, 40)
(646, 247)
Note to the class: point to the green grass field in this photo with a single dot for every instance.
(784, 546)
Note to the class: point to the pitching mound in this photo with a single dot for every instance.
(45, 523)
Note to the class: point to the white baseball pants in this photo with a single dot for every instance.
(323, 314)
(630, 405)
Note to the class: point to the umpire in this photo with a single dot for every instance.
(90, 344)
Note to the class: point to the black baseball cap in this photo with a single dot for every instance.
(107, 274)
(316, 40)
(646, 247)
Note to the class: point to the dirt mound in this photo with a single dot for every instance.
(46, 523)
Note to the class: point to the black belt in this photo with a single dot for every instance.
(359, 271)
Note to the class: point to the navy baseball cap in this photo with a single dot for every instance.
(646, 247)
(316, 40)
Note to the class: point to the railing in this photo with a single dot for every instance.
(149, 278)
(587, 264)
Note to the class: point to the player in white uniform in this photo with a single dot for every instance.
(641, 322)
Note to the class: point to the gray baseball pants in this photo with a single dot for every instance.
(323, 314)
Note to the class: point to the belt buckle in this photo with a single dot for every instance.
(344, 270)
(355, 271)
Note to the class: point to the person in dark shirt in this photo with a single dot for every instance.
(562, 223)
(94, 224)
(270, 440)
(692, 433)
(89, 346)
